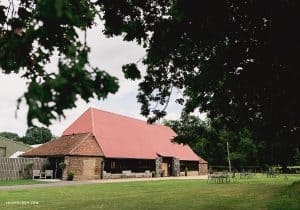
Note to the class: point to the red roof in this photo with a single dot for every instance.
(77, 144)
(124, 137)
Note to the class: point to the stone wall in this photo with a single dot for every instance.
(158, 166)
(193, 173)
(190, 173)
(203, 168)
(83, 167)
(175, 167)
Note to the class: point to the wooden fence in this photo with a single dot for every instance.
(15, 168)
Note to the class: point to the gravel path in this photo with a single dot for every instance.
(100, 181)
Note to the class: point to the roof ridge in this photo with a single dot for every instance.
(73, 134)
(88, 134)
(69, 126)
(125, 116)
(93, 121)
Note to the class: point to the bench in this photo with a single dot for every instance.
(47, 174)
(148, 174)
(106, 175)
(128, 174)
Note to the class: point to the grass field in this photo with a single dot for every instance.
(20, 182)
(257, 193)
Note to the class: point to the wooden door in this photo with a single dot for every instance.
(165, 169)
(89, 167)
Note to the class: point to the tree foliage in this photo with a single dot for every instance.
(208, 139)
(31, 32)
(10, 135)
(37, 135)
(33, 135)
(235, 60)
(131, 71)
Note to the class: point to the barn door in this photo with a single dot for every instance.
(165, 169)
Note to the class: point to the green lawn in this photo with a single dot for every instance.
(20, 182)
(258, 193)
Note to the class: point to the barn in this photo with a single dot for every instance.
(100, 143)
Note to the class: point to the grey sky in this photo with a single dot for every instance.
(107, 54)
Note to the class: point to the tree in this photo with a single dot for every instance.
(30, 33)
(235, 60)
(36, 135)
(10, 135)
(208, 139)
(194, 132)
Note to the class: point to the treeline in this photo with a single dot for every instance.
(208, 139)
(33, 135)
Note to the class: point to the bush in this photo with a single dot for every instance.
(28, 170)
(186, 171)
(153, 173)
(62, 165)
(29, 166)
(162, 173)
(70, 176)
(46, 165)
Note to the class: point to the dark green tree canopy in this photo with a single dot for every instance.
(10, 135)
(31, 32)
(37, 135)
(208, 139)
(235, 60)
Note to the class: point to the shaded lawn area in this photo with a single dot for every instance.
(256, 193)
(20, 182)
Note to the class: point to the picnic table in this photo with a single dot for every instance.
(271, 174)
(220, 177)
(247, 175)
(226, 177)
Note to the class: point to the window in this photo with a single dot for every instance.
(2, 151)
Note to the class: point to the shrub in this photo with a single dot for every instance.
(29, 166)
(70, 176)
(28, 170)
(153, 173)
(162, 173)
(62, 165)
(46, 165)
(186, 171)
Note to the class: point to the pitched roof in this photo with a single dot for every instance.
(124, 137)
(77, 144)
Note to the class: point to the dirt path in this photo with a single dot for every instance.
(100, 181)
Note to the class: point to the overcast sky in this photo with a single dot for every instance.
(107, 54)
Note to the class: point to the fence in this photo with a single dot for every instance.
(233, 168)
(14, 168)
